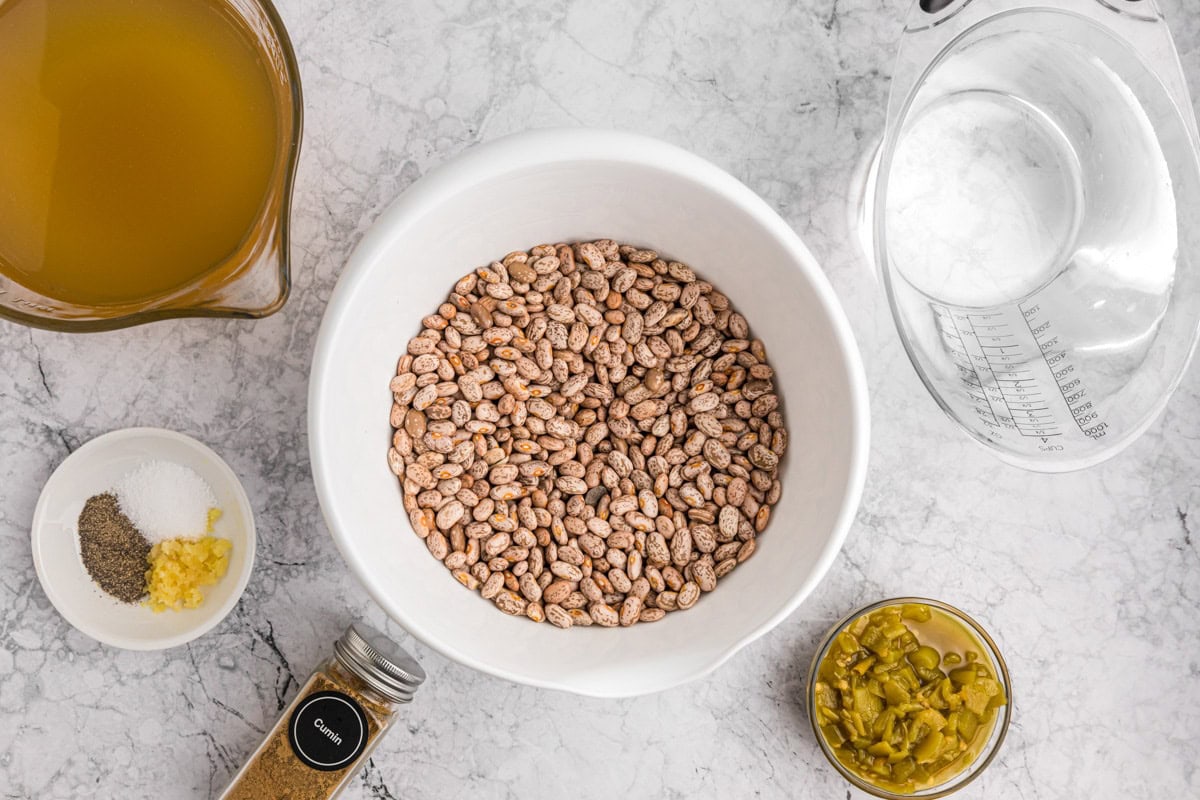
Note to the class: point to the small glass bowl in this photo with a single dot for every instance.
(990, 655)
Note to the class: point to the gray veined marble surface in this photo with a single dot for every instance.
(1091, 582)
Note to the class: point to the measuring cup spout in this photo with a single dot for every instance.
(256, 288)
(257, 279)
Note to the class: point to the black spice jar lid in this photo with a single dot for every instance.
(384, 665)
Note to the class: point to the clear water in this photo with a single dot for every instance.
(1032, 238)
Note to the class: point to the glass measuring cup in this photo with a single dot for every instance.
(1034, 211)
(252, 279)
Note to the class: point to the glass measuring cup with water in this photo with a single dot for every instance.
(1035, 214)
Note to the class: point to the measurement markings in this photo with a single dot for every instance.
(994, 355)
(970, 376)
(1063, 372)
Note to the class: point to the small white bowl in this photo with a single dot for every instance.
(571, 185)
(96, 467)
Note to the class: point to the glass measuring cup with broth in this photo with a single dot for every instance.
(147, 151)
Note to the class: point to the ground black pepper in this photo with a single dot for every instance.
(114, 551)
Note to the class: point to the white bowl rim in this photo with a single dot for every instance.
(517, 152)
(66, 610)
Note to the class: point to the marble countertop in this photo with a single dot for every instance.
(1090, 581)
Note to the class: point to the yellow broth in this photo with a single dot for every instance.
(137, 142)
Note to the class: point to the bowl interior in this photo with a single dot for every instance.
(95, 468)
(513, 195)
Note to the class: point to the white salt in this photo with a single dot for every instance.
(165, 500)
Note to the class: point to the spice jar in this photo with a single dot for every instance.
(336, 720)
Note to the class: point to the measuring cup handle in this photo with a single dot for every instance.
(932, 25)
(1146, 10)
(927, 13)
(938, 6)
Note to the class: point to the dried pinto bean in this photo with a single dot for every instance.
(587, 434)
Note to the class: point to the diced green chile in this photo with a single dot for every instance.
(888, 711)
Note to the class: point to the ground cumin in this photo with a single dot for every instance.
(275, 771)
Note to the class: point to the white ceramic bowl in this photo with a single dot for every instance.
(95, 468)
(568, 185)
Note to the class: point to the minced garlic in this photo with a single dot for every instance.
(179, 567)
